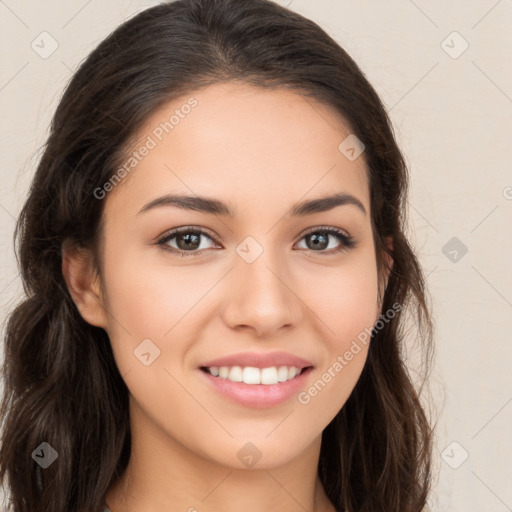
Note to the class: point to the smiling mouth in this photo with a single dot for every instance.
(252, 375)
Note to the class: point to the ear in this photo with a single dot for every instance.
(83, 283)
(387, 257)
(388, 265)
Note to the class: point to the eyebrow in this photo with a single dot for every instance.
(216, 207)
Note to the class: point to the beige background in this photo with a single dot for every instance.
(453, 117)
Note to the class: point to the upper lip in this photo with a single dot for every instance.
(259, 360)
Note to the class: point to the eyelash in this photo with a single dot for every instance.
(347, 241)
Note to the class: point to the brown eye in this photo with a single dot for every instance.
(319, 240)
(186, 241)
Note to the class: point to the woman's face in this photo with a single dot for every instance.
(262, 281)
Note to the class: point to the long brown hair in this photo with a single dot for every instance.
(61, 382)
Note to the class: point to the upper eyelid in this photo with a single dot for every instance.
(185, 229)
(325, 228)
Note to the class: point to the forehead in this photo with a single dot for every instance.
(243, 144)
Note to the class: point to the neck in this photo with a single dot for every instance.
(163, 474)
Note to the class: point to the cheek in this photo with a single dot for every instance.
(344, 297)
(343, 304)
(150, 296)
(346, 303)
(149, 299)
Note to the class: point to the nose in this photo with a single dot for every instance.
(261, 296)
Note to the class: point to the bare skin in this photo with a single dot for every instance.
(261, 151)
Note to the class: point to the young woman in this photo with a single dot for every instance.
(217, 281)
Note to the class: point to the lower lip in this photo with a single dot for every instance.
(258, 395)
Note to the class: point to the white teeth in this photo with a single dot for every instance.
(282, 373)
(269, 375)
(235, 374)
(252, 375)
